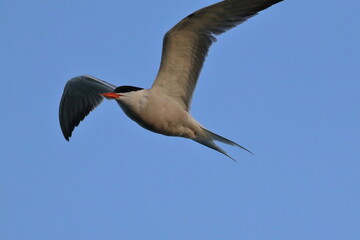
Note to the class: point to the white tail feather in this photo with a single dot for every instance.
(210, 137)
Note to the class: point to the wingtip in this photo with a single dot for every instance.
(67, 138)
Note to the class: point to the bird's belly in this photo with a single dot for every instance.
(166, 120)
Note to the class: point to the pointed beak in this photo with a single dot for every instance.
(110, 95)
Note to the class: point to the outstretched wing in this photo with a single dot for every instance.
(81, 95)
(186, 45)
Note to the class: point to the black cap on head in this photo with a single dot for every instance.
(125, 89)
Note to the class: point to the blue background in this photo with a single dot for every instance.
(285, 84)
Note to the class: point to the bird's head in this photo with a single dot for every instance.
(120, 92)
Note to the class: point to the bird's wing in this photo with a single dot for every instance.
(186, 45)
(81, 95)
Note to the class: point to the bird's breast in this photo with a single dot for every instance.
(161, 115)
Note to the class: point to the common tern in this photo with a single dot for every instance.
(164, 108)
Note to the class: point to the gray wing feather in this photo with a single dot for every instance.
(81, 95)
(186, 45)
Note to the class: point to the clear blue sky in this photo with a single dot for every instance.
(286, 85)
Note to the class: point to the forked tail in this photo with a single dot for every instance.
(210, 137)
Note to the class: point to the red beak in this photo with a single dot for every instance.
(110, 95)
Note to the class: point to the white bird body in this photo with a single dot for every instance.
(158, 113)
(164, 108)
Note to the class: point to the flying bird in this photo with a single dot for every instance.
(164, 108)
